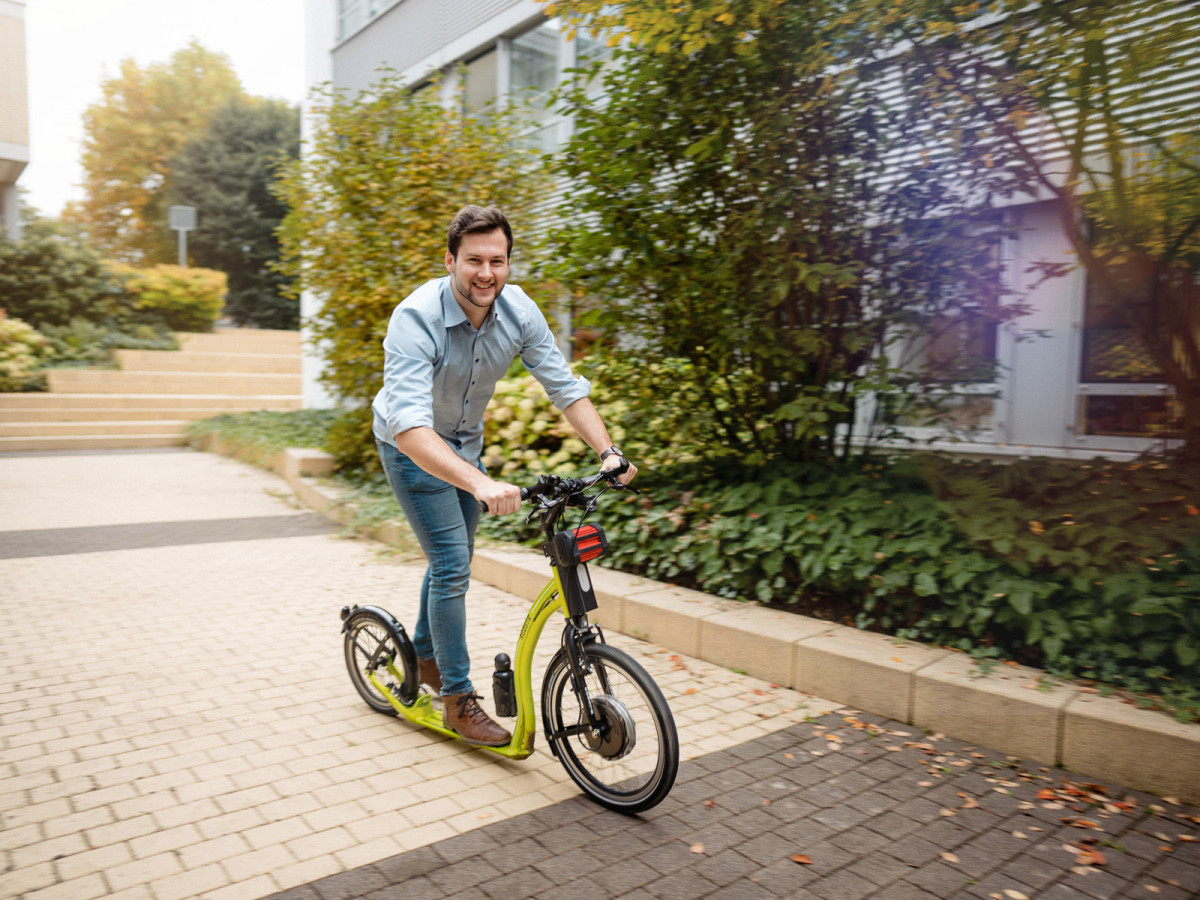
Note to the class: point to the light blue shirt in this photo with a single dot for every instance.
(440, 372)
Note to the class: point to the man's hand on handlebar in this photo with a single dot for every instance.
(499, 498)
(614, 462)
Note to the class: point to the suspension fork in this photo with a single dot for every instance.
(578, 635)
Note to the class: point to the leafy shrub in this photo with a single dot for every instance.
(183, 299)
(908, 548)
(92, 344)
(51, 277)
(266, 431)
(22, 349)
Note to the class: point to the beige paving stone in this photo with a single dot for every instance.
(142, 871)
(306, 871)
(165, 841)
(232, 823)
(365, 852)
(21, 836)
(250, 889)
(186, 813)
(197, 880)
(201, 854)
(255, 796)
(319, 843)
(246, 866)
(279, 832)
(47, 850)
(121, 830)
(86, 888)
(26, 880)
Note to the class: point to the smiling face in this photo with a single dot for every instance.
(479, 272)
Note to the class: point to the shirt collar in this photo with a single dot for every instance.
(452, 312)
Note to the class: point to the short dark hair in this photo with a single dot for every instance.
(476, 220)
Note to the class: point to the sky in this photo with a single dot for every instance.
(72, 46)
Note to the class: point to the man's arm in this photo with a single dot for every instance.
(423, 446)
(588, 425)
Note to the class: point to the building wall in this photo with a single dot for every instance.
(14, 113)
(1037, 404)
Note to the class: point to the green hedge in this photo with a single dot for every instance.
(1089, 571)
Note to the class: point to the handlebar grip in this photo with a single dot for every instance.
(483, 507)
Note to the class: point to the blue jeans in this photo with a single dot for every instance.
(443, 519)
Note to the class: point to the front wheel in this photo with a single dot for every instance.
(376, 644)
(626, 755)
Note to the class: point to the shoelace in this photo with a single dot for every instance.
(469, 707)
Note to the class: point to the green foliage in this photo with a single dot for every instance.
(51, 276)
(227, 173)
(368, 212)
(184, 299)
(748, 204)
(268, 432)
(81, 342)
(944, 552)
(21, 351)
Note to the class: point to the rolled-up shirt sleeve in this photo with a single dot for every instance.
(546, 363)
(410, 352)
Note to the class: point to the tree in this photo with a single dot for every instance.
(368, 209)
(749, 202)
(227, 174)
(131, 136)
(1099, 100)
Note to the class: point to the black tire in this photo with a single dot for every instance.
(372, 640)
(629, 765)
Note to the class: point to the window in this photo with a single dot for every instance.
(1121, 389)
(534, 74)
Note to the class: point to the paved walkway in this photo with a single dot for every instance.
(176, 722)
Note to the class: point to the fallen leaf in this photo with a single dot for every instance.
(484, 816)
(1186, 837)
(802, 859)
(1172, 800)
(709, 804)
(971, 803)
(949, 857)
(697, 848)
(1014, 895)
(897, 659)
(947, 812)
(1019, 834)
(1081, 823)
(1046, 794)
(924, 784)
(789, 756)
(1152, 889)
(1090, 857)
(691, 691)
(1162, 837)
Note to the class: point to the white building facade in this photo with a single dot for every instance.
(1068, 393)
(14, 114)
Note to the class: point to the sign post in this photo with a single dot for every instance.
(183, 220)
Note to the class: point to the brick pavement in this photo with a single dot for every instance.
(847, 806)
(175, 716)
(176, 722)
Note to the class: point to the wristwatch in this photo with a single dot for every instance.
(611, 451)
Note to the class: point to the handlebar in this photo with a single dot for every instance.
(553, 487)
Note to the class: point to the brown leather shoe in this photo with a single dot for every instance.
(464, 714)
(428, 673)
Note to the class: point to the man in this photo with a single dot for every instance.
(447, 345)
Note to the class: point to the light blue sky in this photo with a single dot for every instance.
(74, 45)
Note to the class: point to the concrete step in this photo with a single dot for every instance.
(160, 427)
(108, 414)
(107, 381)
(241, 340)
(167, 404)
(89, 442)
(194, 361)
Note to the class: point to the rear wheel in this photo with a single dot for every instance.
(376, 644)
(625, 756)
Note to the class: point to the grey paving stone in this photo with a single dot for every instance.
(577, 850)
